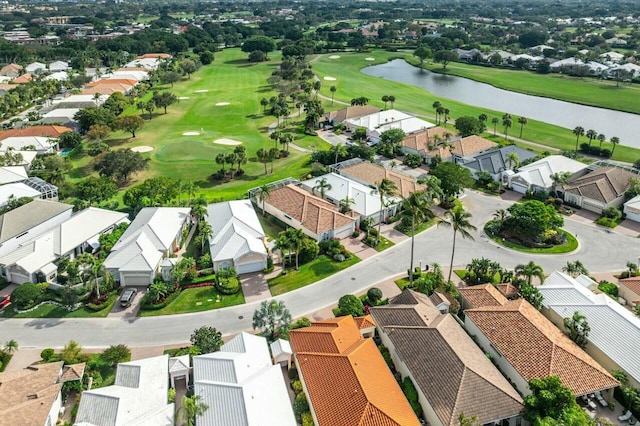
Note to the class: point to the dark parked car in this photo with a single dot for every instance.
(127, 297)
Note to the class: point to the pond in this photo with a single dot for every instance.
(565, 114)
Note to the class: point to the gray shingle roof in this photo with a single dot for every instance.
(495, 160)
(29, 215)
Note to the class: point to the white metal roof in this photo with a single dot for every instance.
(280, 347)
(17, 142)
(372, 121)
(16, 190)
(365, 202)
(138, 255)
(84, 225)
(161, 224)
(138, 397)
(539, 172)
(10, 174)
(236, 230)
(241, 386)
(614, 330)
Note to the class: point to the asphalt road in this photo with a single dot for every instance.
(599, 250)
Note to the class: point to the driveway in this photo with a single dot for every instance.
(255, 287)
(332, 138)
(129, 312)
(599, 251)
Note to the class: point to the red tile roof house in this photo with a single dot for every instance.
(317, 218)
(629, 290)
(525, 345)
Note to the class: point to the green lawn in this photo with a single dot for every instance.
(309, 273)
(229, 79)
(383, 244)
(269, 225)
(352, 83)
(587, 91)
(568, 247)
(197, 300)
(402, 283)
(52, 311)
(422, 227)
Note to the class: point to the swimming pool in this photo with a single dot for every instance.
(65, 152)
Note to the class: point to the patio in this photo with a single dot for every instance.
(596, 411)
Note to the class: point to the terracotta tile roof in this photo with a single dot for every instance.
(6, 87)
(352, 386)
(316, 214)
(371, 174)
(351, 112)
(45, 131)
(154, 55)
(421, 140)
(364, 322)
(633, 284)
(536, 348)
(26, 396)
(24, 78)
(482, 295)
(109, 82)
(11, 68)
(104, 90)
(72, 372)
(508, 290)
(605, 184)
(463, 147)
(451, 371)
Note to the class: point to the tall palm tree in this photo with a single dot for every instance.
(264, 192)
(614, 141)
(281, 244)
(416, 209)
(322, 186)
(338, 150)
(333, 90)
(601, 138)
(458, 220)
(206, 232)
(591, 134)
(263, 156)
(507, 122)
(385, 99)
(513, 160)
(529, 270)
(483, 118)
(345, 204)
(559, 178)
(294, 238)
(523, 122)
(392, 99)
(495, 121)
(221, 160)
(578, 131)
(192, 407)
(199, 211)
(384, 189)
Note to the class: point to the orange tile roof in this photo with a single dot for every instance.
(154, 55)
(24, 78)
(45, 131)
(104, 90)
(352, 386)
(421, 140)
(316, 214)
(364, 322)
(109, 82)
(466, 146)
(633, 284)
(536, 348)
(482, 295)
(372, 174)
(508, 289)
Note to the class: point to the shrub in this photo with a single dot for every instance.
(386, 355)
(374, 295)
(46, 354)
(609, 288)
(296, 385)
(350, 305)
(612, 213)
(301, 323)
(307, 419)
(98, 307)
(229, 285)
(300, 404)
(309, 250)
(411, 393)
(27, 296)
(413, 160)
(339, 257)
(373, 232)
(146, 303)
(355, 234)
(293, 372)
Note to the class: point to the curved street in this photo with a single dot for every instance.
(600, 250)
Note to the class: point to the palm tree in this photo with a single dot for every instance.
(206, 232)
(575, 268)
(221, 160)
(345, 204)
(614, 141)
(507, 121)
(264, 192)
(199, 211)
(333, 90)
(384, 189)
(435, 106)
(338, 150)
(323, 186)
(230, 159)
(275, 136)
(416, 209)
(513, 160)
(192, 407)
(601, 138)
(385, 99)
(392, 99)
(439, 114)
(559, 178)
(274, 154)
(495, 121)
(523, 122)
(458, 219)
(578, 131)
(264, 102)
(11, 346)
(483, 118)
(500, 215)
(446, 116)
(591, 134)
(281, 244)
(529, 271)
(294, 238)
(263, 157)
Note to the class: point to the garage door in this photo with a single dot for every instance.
(519, 188)
(591, 207)
(135, 280)
(248, 267)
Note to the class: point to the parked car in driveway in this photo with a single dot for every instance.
(5, 300)
(127, 297)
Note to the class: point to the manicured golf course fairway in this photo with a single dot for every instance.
(352, 83)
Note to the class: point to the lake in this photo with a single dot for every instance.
(565, 114)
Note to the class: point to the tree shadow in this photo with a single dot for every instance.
(81, 172)
(116, 142)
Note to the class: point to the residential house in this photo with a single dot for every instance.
(422, 141)
(614, 350)
(629, 290)
(525, 346)
(77, 101)
(34, 260)
(241, 386)
(536, 176)
(472, 55)
(612, 56)
(105, 89)
(11, 174)
(17, 190)
(51, 132)
(137, 398)
(632, 209)
(377, 123)
(372, 174)
(602, 188)
(333, 351)
(33, 396)
(316, 217)
(4, 88)
(11, 70)
(128, 74)
(594, 68)
(58, 66)
(364, 203)
(478, 296)
(237, 238)
(496, 162)
(36, 68)
(366, 325)
(339, 116)
(632, 69)
(58, 76)
(451, 374)
(61, 117)
(40, 144)
(22, 79)
(123, 81)
(155, 233)
(461, 150)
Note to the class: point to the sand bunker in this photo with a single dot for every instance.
(330, 78)
(182, 98)
(191, 134)
(201, 91)
(225, 141)
(143, 148)
(334, 57)
(369, 59)
(222, 103)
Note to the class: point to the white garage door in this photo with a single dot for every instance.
(135, 280)
(633, 216)
(519, 188)
(248, 267)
